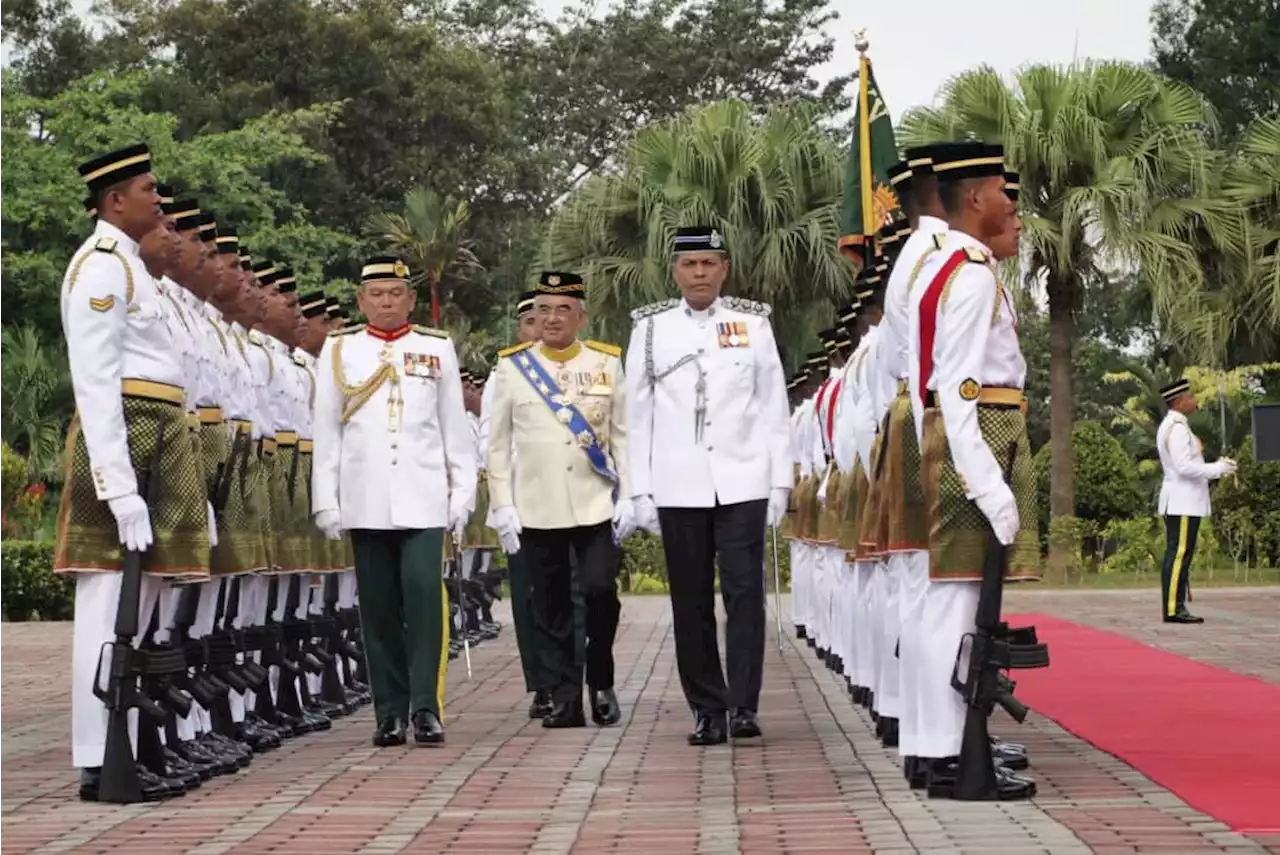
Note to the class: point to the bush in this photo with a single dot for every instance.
(1246, 511)
(643, 560)
(30, 589)
(1108, 486)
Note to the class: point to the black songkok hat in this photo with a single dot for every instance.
(227, 241)
(208, 227)
(816, 359)
(112, 168)
(312, 304)
(384, 267)
(284, 281)
(958, 161)
(558, 284)
(525, 302)
(332, 306)
(698, 239)
(1011, 185)
(848, 313)
(265, 271)
(1179, 387)
(167, 197)
(185, 214)
(920, 160)
(899, 176)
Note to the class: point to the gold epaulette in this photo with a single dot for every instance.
(347, 330)
(611, 349)
(105, 244)
(431, 331)
(515, 348)
(298, 360)
(975, 255)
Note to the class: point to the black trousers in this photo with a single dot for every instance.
(693, 539)
(1175, 576)
(550, 555)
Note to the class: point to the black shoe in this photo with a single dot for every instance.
(604, 707)
(710, 730)
(744, 724)
(567, 714)
(541, 706)
(1009, 787)
(801, 632)
(390, 732)
(888, 732)
(182, 766)
(241, 752)
(427, 729)
(1182, 616)
(153, 788)
(1012, 757)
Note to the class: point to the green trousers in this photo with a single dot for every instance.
(403, 618)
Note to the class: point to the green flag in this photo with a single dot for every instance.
(868, 197)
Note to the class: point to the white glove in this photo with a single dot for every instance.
(330, 522)
(647, 515)
(459, 516)
(506, 522)
(778, 505)
(133, 521)
(624, 519)
(1226, 466)
(1001, 510)
(822, 490)
(213, 526)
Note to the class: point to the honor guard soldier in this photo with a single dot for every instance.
(528, 639)
(711, 466)
(133, 483)
(394, 465)
(1184, 497)
(966, 378)
(559, 407)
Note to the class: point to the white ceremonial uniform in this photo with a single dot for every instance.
(845, 448)
(113, 319)
(863, 426)
(802, 596)
(405, 457)
(744, 448)
(479, 425)
(1184, 492)
(976, 339)
(822, 551)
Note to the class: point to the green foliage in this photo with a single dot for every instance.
(643, 568)
(31, 590)
(1108, 486)
(1068, 538)
(1138, 545)
(14, 472)
(1246, 510)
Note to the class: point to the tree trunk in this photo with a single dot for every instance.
(433, 281)
(1062, 488)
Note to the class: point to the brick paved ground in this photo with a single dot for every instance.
(819, 782)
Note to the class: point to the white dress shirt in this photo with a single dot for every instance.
(744, 450)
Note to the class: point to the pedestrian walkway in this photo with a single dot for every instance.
(818, 782)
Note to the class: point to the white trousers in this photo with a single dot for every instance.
(864, 572)
(911, 595)
(849, 626)
(832, 560)
(889, 693)
(97, 599)
(950, 609)
(797, 584)
(875, 628)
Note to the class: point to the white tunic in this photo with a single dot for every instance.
(406, 455)
(896, 325)
(1185, 489)
(976, 341)
(114, 322)
(744, 450)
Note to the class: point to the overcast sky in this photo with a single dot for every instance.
(915, 46)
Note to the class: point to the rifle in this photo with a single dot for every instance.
(992, 647)
(119, 783)
(226, 472)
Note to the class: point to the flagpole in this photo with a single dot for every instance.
(864, 133)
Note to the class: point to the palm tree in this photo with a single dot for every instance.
(36, 400)
(1116, 170)
(429, 236)
(771, 184)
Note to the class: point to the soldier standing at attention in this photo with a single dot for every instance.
(559, 406)
(394, 465)
(711, 466)
(1184, 497)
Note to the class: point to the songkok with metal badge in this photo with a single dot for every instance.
(553, 283)
(698, 239)
(384, 267)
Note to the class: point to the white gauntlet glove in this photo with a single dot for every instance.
(647, 515)
(330, 522)
(133, 521)
(624, 519)
(1001, 510)
(778, 497)
(506, 522)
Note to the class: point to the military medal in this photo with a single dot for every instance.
(564, 415)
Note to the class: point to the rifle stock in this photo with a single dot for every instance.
(992, 647)
(119, 783)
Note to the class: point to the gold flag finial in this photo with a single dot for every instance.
(860, 40)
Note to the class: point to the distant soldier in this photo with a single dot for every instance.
(394, 465)
(1184, 497)
(711, 463)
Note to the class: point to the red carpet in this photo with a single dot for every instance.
(1210, 736)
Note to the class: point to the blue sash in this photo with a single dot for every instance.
(568, 415)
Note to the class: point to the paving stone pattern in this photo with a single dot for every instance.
(818, 782)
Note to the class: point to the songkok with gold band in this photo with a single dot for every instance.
(920, 160)
(110, 169)
(1176, 389)
(899, 176)
(167, 197)
(265, 271)
(284, 282)
(553, 283)
(904, 230)
(698, 239)
(828, 338)
(208, 227)
(465, 376)
(227, 242)
(962, 160)
(185, 214)
(525, 302)
(1011, 185)
(844, 342)
(848, 313)
(246, 262)
(870, 292)
(382, 267)
(312, 304)
(332, 306)
(816, 359)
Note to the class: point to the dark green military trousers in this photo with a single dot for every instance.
(403, 618)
